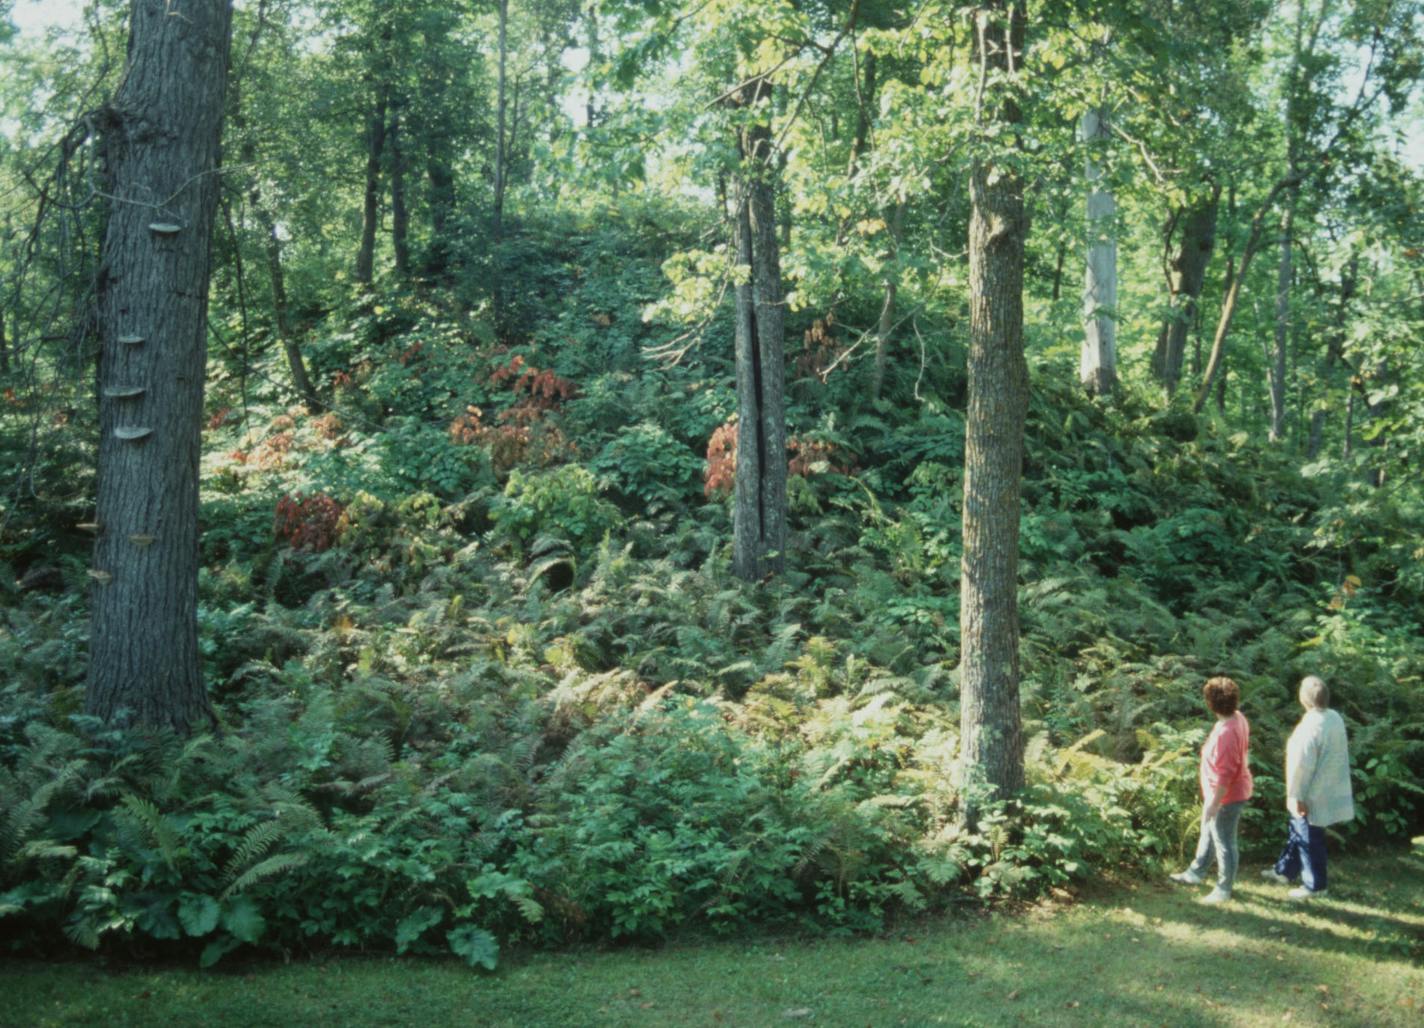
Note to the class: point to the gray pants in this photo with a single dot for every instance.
(1218, 838)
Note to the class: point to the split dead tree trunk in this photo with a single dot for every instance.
(759, 510)
(161, 144)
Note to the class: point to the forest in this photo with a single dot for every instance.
(489, 476)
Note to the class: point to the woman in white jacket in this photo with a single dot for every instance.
(1317, 790)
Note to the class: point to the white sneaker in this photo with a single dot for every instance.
(1271, 874)
(1187, 877)
(1302, 893)
(1215, 896)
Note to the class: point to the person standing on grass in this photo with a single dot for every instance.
(1226, 785)
(1317, 791)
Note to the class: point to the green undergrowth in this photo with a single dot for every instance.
(1142, 955)
(484, 678)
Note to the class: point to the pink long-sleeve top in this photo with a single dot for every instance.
(1223, 760)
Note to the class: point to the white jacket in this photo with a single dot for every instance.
(1318, 768)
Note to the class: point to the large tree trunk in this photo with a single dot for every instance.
(759, 511)
(371, 208)
(161, 140)
(1186, 276)
(1097, 365)
(991, 735)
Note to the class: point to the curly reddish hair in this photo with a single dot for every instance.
(1222, 695)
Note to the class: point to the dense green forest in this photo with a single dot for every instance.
(599, 470)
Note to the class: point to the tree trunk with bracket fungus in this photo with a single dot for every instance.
(161, 142)
(991, 744)
(759, 512)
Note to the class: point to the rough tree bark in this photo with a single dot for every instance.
(991, 741)
(1186, 275)
(759, 511)
(161, 144)
(1097, 364)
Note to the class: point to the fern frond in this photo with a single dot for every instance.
(273, 866)
(258, 840)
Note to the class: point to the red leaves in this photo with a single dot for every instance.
(308, 523)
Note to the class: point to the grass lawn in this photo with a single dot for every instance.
(1143, 955)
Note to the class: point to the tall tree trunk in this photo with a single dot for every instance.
(1097, 364)
(501, 146)
(1334, 351)
(887, 309)
(991, 740)
(161, 142)
(272, 250)
(1228, 305)
(1186, 276)
(866, 100)
(1284, 273)
(400, 212)
(759, 511)
(371, 208)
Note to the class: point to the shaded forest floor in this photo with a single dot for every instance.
(1132, 953)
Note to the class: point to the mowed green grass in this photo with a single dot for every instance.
(1143, 955)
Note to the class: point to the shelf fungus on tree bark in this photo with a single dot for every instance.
(164, 228)
(102, 577)
(124, 392)
(141, 539)
(132, 434)
(131, 340)
(88, 526)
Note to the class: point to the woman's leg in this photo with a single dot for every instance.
(1223, 831)
(1288, 863)
(1205, 851)
(1310, 840)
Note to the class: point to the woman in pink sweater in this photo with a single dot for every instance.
(1225, 785)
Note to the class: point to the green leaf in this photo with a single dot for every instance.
(217, 949)
(198, 914)
(476, 945)
(414, 925)
(244, 920)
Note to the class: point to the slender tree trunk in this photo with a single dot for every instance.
(272, 251)
(501, 148)
(1097, 365)
(759, 511)
(161, 141)
(1058, 270)
(1186, 276)
(1284, 272)
(991, 741)
(887, 309)
(400, 213)
(371, 209)
(1228, 305)
(1334, 351)
(866, 101)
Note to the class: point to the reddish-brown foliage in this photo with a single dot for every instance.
(805, 457)
(308, 522)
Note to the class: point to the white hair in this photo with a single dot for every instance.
(1315, 692)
